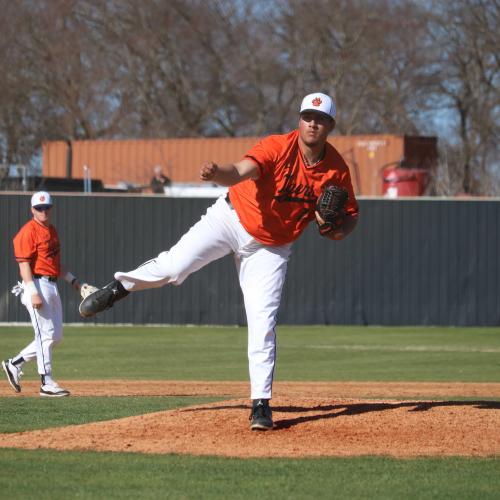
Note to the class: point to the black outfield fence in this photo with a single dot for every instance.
(416, 261)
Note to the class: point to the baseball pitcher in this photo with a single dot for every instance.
(282, 184)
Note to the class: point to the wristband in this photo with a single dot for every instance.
(69, 278)
(30, 288)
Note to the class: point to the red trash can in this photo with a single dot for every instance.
(403, 182)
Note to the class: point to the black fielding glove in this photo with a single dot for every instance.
(330, 207)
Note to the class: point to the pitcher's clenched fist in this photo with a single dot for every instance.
(208, 171)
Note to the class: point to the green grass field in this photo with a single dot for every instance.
(206, 353)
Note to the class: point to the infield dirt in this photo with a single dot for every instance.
(311, 419)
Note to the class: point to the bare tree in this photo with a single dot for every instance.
(466, 35)
(196, 67)
(367, 53)
(84, 69)
(71, 87)
(17, 140)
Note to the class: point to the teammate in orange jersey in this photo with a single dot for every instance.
(37, 250)
(272, 198)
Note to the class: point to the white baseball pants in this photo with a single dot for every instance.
(261, 271)
(47, 324)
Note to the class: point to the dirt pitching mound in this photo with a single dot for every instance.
(309, 422)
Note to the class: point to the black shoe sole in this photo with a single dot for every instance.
(14, 386)
(102, 299)
(257, 426)
(54, 394)
(92, 305)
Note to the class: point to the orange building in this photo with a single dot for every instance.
(132, 161)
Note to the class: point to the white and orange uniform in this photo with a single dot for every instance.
(258, 225)
(39, 245)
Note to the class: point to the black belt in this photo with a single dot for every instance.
(50, 278)
(228, 201)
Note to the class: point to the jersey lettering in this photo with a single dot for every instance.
(292, 191)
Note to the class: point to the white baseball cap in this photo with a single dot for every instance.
(41, 198)
(319, 102)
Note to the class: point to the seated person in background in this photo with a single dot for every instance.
(159, 181)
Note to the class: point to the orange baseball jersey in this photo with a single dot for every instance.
(276, 208)
(38, 245)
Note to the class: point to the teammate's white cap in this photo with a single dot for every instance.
(41, 198)
(319, 102)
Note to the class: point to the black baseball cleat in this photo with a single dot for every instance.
(102, 299)
(261, 416)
